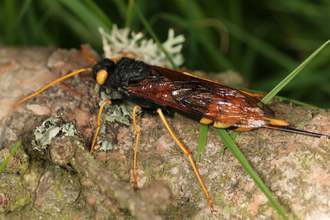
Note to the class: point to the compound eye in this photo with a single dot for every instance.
(101, 77)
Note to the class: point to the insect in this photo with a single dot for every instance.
(158, 88)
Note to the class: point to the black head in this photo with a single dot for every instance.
(103, 69)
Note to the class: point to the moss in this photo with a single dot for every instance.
(224, 179)
(325, 157)
(245, 214)
(15, 189)
(219, 197)
(303, 159)
(249, 196)
(285, 204)
(30, 176)
(229, 208)
(178, 213)
(189, 130)
(57, 190)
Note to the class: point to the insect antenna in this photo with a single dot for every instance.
(87, 56)
(52, 83)
(60, 79)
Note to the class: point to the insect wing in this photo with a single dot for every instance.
(201, 97)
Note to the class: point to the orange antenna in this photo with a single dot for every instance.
(87, 56)
(52, 83)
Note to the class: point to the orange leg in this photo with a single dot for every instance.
(108, 101)
(187, 152)
(242, 129)
(136, 144)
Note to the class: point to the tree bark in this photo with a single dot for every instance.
(294, 167)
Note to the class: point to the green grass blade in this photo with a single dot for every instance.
(86, 15)
(129, 13)
(12, 152)
(120, 7)
(22, 13)
(191, 32)
(240, 157)
(233, 135)
(287, 79)
(222, 150)
(153, 35)
(88, 35)
(257, 44)
(222, 62)
(99, 12)
(203, 129)
(296, 102)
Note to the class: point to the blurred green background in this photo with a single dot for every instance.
(263, 40)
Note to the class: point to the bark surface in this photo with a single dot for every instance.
(47, 184)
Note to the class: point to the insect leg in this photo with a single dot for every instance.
(136, 144)
(187, 152)
(108, 101)
(242, 129)
(52, 83)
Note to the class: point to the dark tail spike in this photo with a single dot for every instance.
(297, 131)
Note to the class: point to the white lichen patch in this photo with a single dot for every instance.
(106, 145)
(121, 113)
(49, 130)
(121, 42)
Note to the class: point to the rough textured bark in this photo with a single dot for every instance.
(294, 167)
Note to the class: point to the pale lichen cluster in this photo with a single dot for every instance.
(123, 42)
